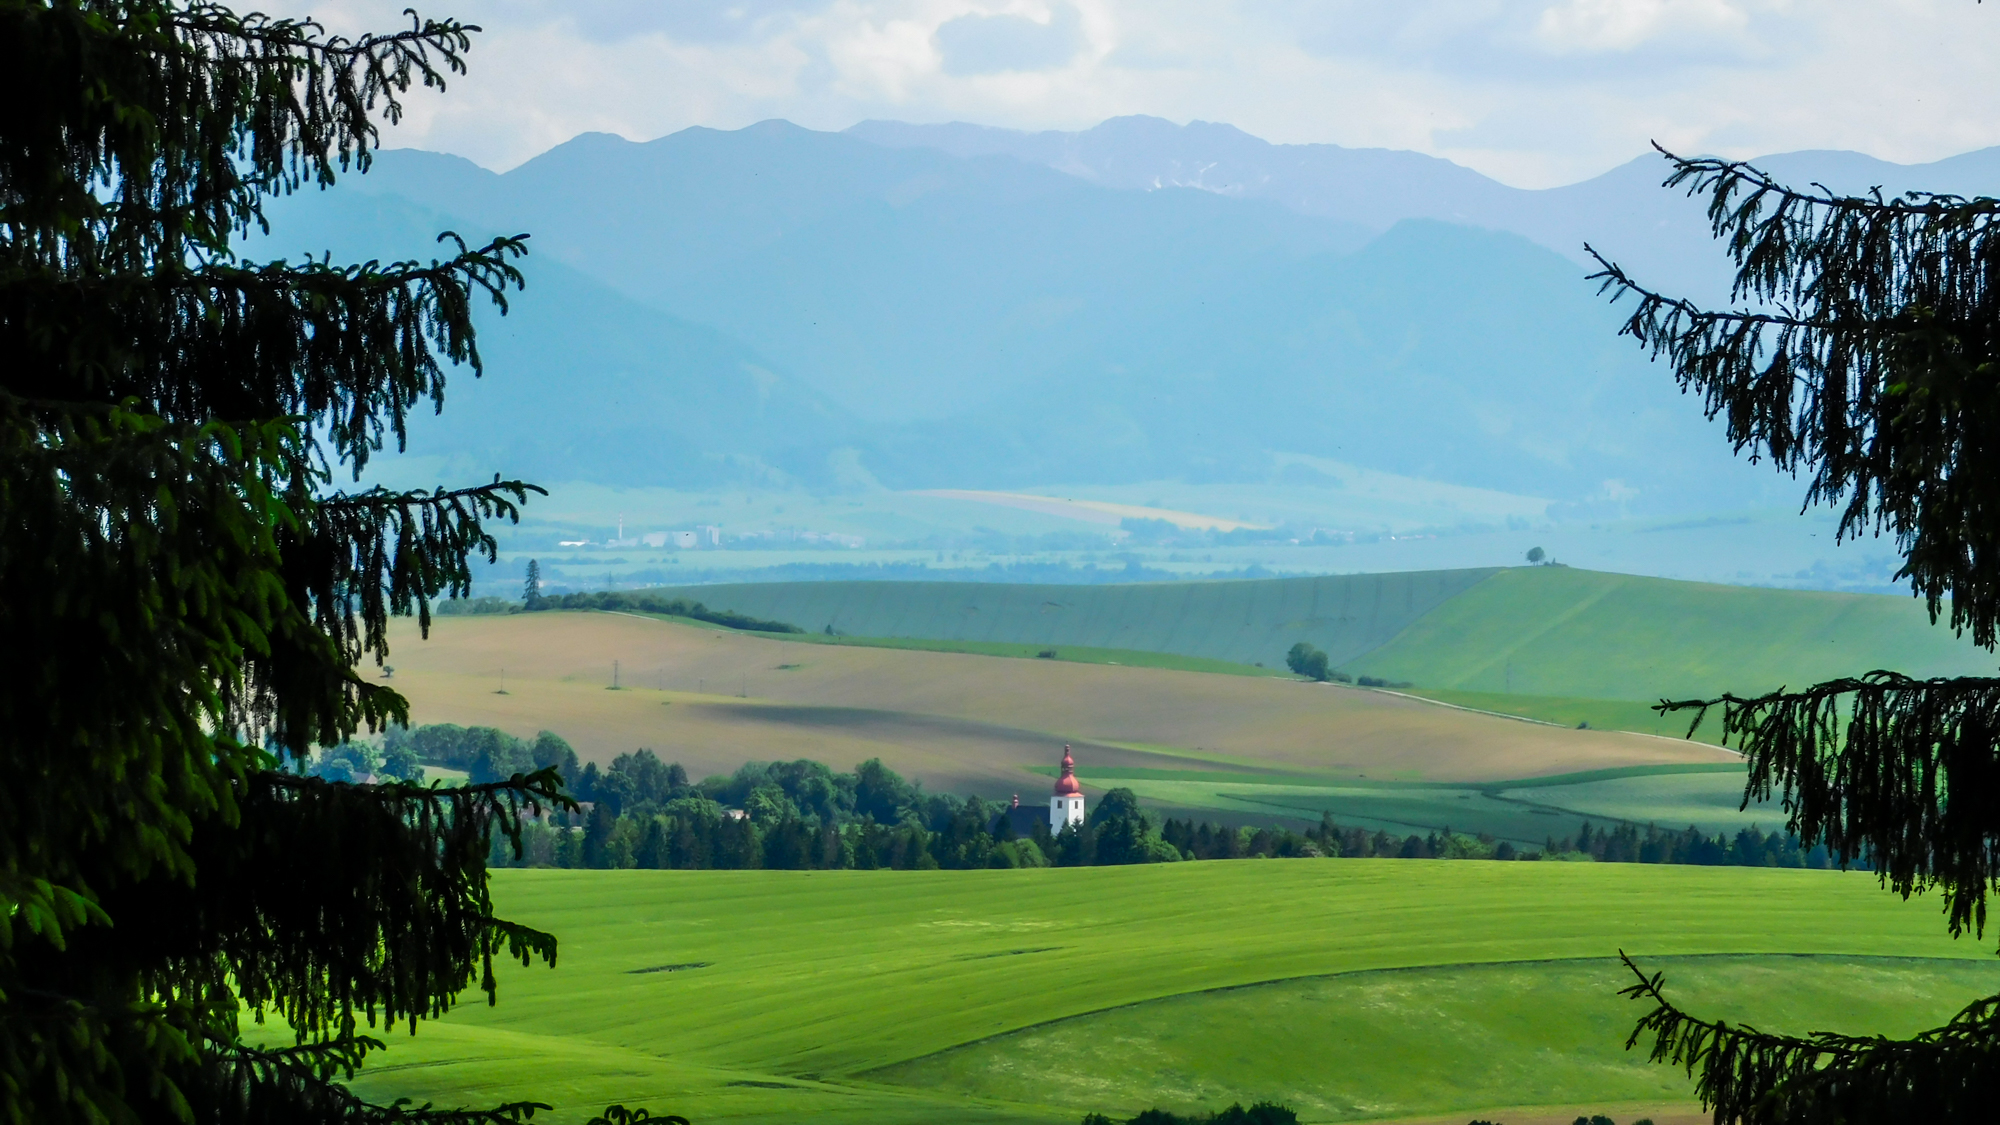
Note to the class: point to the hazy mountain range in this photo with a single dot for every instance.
(960, 307)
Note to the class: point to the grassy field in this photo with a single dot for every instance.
(1354, 988)
(1583, 637)
(1598, 714)
(964, 723)
(1250, 622)
(1075, 654)
(1555, 631)
(1527, 812)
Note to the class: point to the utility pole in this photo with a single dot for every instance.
(614, 675)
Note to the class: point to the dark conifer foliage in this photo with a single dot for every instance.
(189, 594)
(1862, 352)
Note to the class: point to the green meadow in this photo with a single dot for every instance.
(1076, 654)
(1355, 989)
(1551, 644)
(1556, 631)
(1240, 622)
(1574, 635)
(1526, 811)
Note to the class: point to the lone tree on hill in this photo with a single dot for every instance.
(1305, 660)
(192, 594)
(531, 590)
(1864, 351)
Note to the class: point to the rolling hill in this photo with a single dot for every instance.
(1560, 631)
(1540, 631)
(964, 723)
(1251, 622)
(1356, 989)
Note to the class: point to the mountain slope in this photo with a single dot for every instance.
(1624, 212)
(582, 382)
(990, 323)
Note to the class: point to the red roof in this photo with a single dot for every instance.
(1066, 785)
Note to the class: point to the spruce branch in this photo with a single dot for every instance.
(1901, 772)
(1865, 353)
(378, 553)
(297, 1084)
(352, 349)
(1757, 1078)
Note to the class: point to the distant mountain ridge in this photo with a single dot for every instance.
(779, 305)
(1623, 212)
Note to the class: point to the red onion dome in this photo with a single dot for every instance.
(1066, 785)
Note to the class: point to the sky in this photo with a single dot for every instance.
(1534, 93)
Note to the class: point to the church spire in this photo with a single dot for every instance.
(1066, 785)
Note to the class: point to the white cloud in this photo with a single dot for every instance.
(993, 44)
(1534, 92)
(1580, 26)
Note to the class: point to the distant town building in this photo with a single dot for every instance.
(655, 539)
(1066, 806)
(710, 534)
(686, 540)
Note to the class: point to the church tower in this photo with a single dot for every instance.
(1066, 807)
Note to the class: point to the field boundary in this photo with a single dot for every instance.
(1394, 969)
(1538, 722)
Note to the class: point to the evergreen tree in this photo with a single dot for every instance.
(1861, 351)
(531, 590)
(197, 591)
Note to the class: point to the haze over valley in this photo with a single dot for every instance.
(824, 341)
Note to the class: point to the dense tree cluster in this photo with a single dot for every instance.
(1261, 1113)
(644, 812)
(1620, 843)
(1305, 660)
(644, 601)
(1748, 847)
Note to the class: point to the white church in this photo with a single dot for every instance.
(1065, 804)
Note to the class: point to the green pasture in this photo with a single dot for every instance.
(1564, 711)
(1556, 631)
(1429, 1041)
(927, 996)
(1526, 811)
(1524, 814)
(1552, 643)
(1075, 654)
(1239, 622)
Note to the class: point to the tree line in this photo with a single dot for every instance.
(625, 601)
(641, 811)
